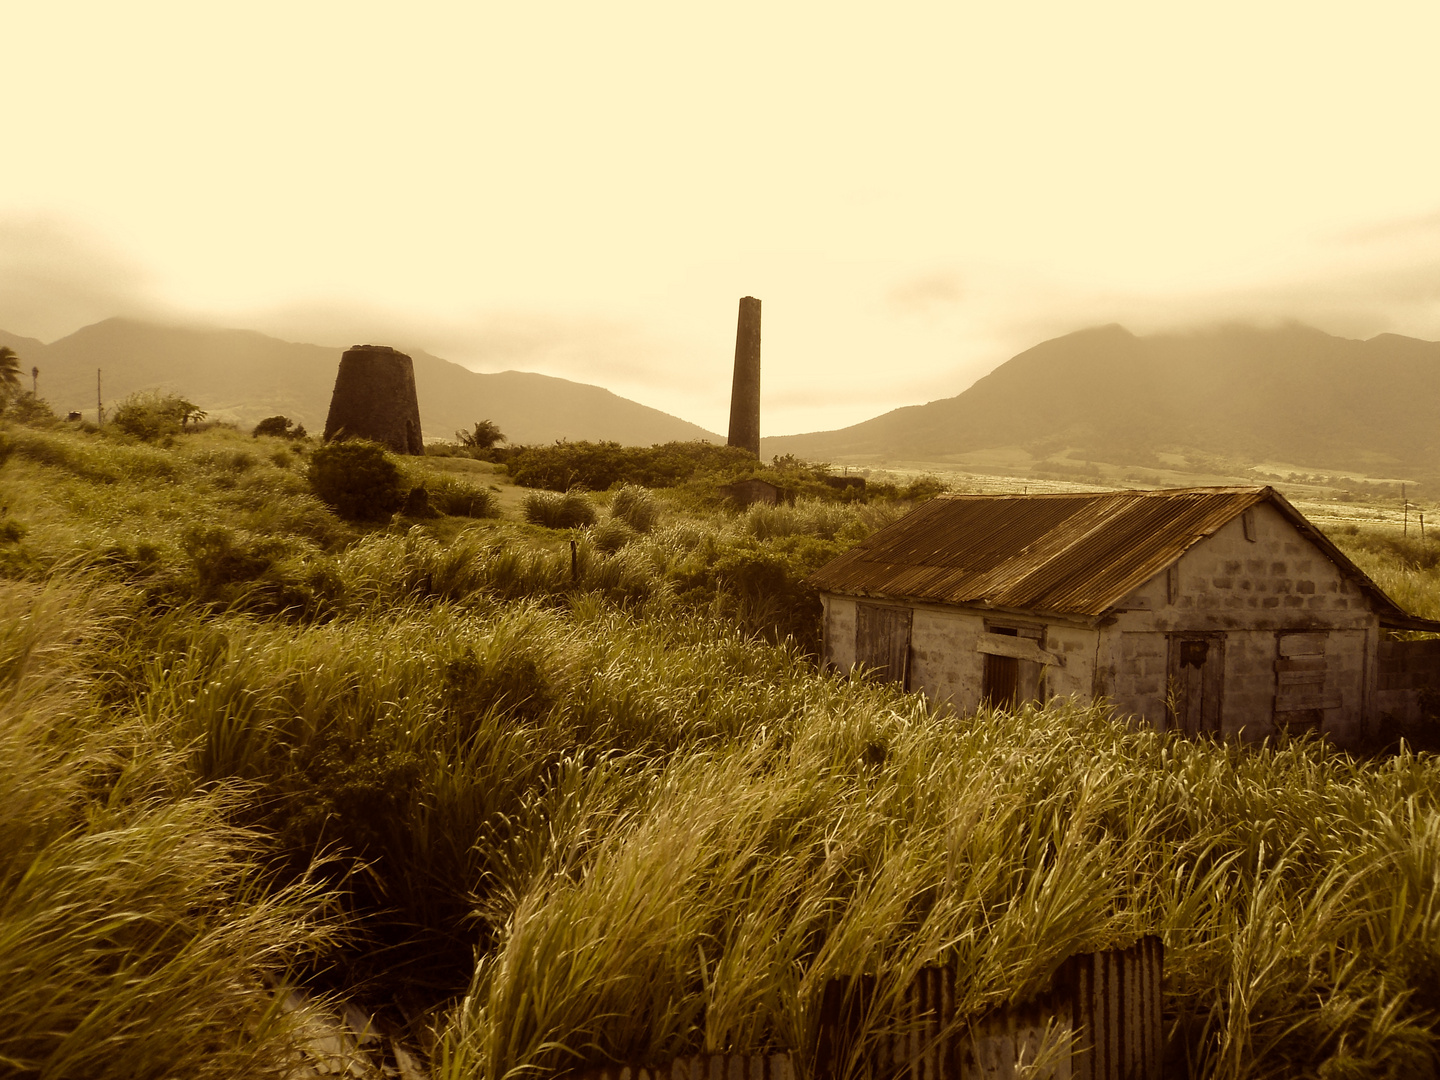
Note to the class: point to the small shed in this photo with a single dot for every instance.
(752, 490)
(1208, 610)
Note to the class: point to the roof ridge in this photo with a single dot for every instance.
(1219, 489)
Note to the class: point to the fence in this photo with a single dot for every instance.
(778, 1066)
(1099, 1020)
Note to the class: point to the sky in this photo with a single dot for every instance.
(915, 191)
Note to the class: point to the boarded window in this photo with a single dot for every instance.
(1300, 695)
(1195, 689)
(1007, 682)
(882, 641)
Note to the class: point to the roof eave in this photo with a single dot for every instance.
(1410, 622)
(1089, 618)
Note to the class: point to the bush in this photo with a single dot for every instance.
(28, 409)
(635, 507)
(459, 499)
(222, 557)
(612, 535)
(281, 427)
(598, 466)
(567, 511)
(358, 479)
(153, 414)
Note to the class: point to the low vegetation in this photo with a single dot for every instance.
(538, 813)
(153, 414)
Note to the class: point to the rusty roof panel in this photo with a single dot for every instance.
(1079, 553)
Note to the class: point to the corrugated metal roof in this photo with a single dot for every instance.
(1079, 553)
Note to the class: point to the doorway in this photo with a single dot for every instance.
(882, 641)
(1195, 686)
(1007, 682)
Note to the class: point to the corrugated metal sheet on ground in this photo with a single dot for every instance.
(1077, 553)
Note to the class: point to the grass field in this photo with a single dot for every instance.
(532, 813)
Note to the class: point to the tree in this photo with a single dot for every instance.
(282, 427)
(9, 371)
(485, 434)
(152, 414)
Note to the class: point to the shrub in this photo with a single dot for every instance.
(28, 409)
(358, 479)
(600, 465)
(459, 499)
(568, 511)
(635, 507)
(612, 535)
(221, 557)
(281, 427)
(924, 487)
(153, 414)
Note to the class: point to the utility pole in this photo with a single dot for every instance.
(99, 403)
(35, 382)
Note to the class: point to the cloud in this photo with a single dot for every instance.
(56, 278)
(582, 347)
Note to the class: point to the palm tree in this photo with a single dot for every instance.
(9, 370)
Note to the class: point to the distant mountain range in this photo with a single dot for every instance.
(1291, 394)
(1192, 401)
(243, 376)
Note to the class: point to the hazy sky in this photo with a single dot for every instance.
(915, 191)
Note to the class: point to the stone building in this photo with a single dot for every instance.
(1211, 610)
(374, 398)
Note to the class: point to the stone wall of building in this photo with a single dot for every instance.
(1257, 583)
(1285, 623)
(948, 647)
(375, 399)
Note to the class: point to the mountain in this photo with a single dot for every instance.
(1290, 394)
(243, 376)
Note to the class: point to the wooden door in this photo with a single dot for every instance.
(1007, 682)
(1301, 695)
(1000, 682)
(882, 641)
(1196, 684)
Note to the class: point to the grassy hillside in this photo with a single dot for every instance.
(532, 813)
(1244, 396)
(242, 376)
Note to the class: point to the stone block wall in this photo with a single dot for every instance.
(1405, 669)
(374, 398)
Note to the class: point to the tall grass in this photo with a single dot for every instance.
(138, 934)
(1406, 567)
(711, 916)
(608, 809)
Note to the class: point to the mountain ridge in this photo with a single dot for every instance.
(1290, 393)
(243, 375)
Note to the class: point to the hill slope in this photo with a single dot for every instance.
(242, 376)
(1291, 394)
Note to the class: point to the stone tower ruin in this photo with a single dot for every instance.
(745, 392)
(375, 399)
